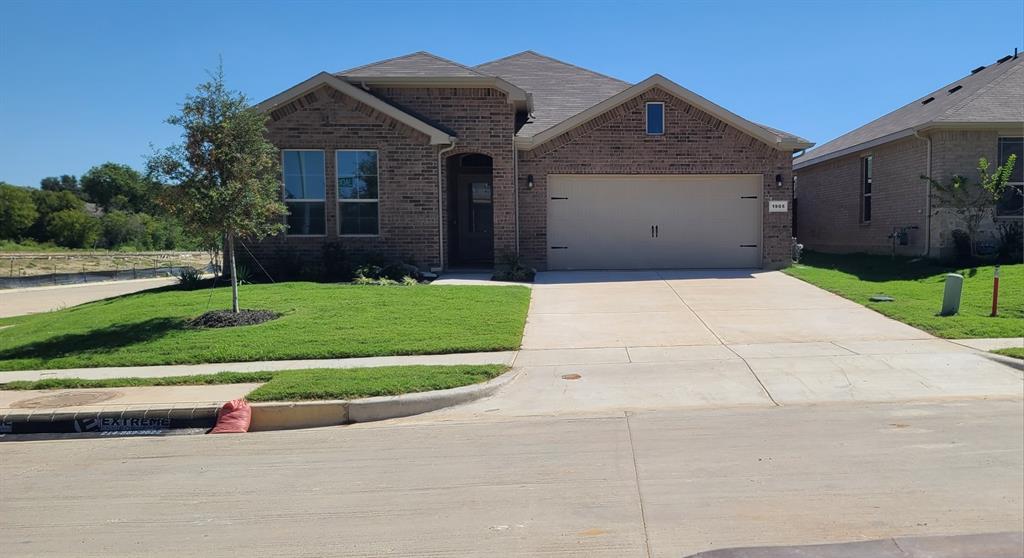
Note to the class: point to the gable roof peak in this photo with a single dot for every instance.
(415, 64)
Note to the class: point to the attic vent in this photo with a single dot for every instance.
(955, 89)
(976, 70)
(1004, 59)
(928, 100)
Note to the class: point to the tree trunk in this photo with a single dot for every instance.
(234, 274)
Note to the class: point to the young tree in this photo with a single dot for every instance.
(972, 203)
(224, 176)
(17, 211)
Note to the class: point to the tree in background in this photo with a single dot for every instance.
(225, 174)
(116, 186)
(47, 203)
(17, 211)
(972, 203)
(73, 228)
(62, 183)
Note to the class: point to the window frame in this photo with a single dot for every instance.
(337, 177)
(286, 200)
(867, 188)
(999, 161)
(647, 115)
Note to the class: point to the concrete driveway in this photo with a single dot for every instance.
(613, 341)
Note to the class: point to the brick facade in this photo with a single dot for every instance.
(829, 193)
(483, 121)
(616, 142)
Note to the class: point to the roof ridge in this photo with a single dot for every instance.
(981, 90)
(408, 55)
(546, 57)
(459, 64)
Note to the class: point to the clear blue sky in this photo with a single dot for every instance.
(86, 82)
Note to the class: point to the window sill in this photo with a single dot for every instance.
(358, 236)
(305, 236)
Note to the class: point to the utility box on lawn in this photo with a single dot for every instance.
(951, 294)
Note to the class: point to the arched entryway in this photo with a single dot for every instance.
(470, 211)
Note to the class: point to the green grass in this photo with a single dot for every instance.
(1015, 352)
(917, 286)
(318, 321)
(298, 385)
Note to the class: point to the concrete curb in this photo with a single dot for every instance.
(312, 414)
(989, 545)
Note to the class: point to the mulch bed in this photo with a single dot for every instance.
(227, 318)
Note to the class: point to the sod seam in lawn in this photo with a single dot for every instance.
(318, 321)
(917, 286)
(307, 384)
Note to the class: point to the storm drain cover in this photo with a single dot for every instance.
(65, 399)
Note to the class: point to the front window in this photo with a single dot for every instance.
(867, 173)
(655, 118)
(1012, 202)
(358, 200)
(304, 188)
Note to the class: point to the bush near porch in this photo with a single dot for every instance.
(917, 286)
(318, 321)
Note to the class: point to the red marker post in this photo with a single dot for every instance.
(995, 293)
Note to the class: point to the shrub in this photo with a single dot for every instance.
(1011, 242)
(17, 211)
(409, 281)
(73, 229)
(962, 246)
(511, 268)
(798, 251)
(337, 265)
(291, 266)
(243, 274)
(190, 278)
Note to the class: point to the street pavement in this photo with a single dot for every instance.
(16, 302)
(662, 484)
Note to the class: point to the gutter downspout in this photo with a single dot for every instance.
(927, 195)
(515, 187)
(440, 204)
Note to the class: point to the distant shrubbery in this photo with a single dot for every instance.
(113, 207)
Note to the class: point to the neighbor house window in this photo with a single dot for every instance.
(655, 118)
(867, 164)
(358, 200)
(304, 188)
(1012, 202)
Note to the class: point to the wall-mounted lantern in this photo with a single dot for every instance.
(778, 180)
(529, 182)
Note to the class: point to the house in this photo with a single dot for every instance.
(447, 166)
(863, 192)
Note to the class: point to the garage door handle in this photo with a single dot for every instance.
(748, 245)
(558, 198)
(657, 233)
(652, 231)
(748, 197)
(559, 247)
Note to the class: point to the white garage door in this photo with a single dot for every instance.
(654, 221)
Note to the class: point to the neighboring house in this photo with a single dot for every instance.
(858, 190)
(426, 160)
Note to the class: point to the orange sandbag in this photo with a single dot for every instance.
(233, 417)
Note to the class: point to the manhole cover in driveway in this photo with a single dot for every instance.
(65, 399)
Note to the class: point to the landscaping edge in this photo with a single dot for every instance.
(267, 416)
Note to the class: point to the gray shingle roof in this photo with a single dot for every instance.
(994, 94)
(417, 64)
(559, 90)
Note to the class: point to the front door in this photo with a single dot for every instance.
(474, 220)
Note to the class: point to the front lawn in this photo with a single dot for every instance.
(917, 286)
(298, 385)
(1015, 352)
(318, 321)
